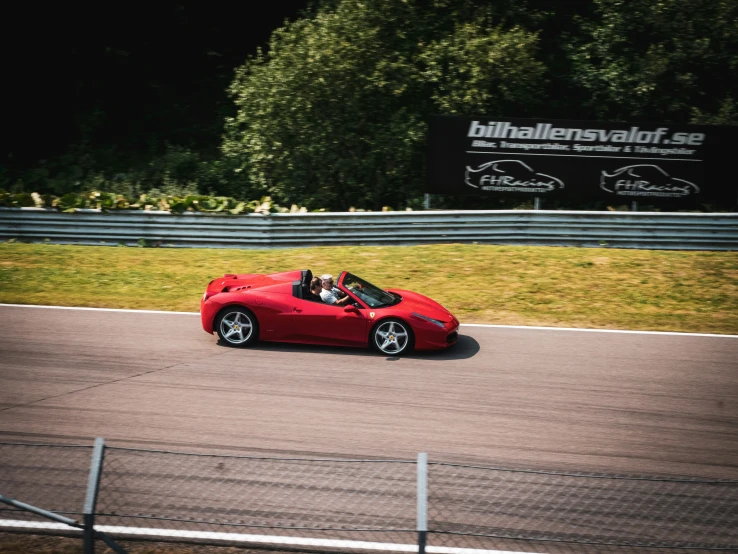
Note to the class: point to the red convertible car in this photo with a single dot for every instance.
(242, 309)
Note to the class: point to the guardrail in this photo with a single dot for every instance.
(360, 505)
(645, 230)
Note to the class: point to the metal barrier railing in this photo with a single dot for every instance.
(391, 505)
(681, 231)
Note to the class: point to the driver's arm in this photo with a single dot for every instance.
(345, 300)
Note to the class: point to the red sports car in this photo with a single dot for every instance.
(242, 309)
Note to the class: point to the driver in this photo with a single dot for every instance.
(331, 294)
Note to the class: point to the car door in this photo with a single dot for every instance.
(328, 324)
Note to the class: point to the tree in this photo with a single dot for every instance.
(336, 114)
(665, 60)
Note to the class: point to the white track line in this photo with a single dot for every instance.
(525, 327)
(246, 538)
(672, 333)
(99, 309)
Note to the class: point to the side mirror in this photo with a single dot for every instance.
(351, 308)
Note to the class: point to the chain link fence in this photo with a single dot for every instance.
(368, 504)
(359, 500)
(53, 477)
(471, 505)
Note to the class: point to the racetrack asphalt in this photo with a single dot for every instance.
(507, 397)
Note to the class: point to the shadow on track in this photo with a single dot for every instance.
(465, 347)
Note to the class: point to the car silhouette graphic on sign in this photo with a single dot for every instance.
(645, 180)
(510, 175)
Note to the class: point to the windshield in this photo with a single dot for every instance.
(373, 296)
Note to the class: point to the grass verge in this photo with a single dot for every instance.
(517, 285)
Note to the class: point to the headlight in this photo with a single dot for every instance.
(430, 319)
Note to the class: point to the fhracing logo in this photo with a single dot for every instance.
(645, 180)
(510, 176)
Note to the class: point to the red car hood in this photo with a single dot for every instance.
(414, 302)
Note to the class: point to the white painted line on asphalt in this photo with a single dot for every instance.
(99, 309)
(524, 327)
(672, 333)
(20, 524)
(242, 537)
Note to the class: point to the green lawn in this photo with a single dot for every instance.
(518, 285)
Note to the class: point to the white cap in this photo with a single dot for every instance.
(326, 276)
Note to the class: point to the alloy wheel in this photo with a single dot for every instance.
(391, 337)
(236, 327)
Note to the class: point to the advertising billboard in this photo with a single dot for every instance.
(621, 162)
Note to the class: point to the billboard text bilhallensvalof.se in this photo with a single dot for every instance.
(546, 131)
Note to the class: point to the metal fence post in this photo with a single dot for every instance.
(422, 501)
(93, 484)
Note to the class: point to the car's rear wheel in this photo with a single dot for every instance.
(237, 326)
(393, 337)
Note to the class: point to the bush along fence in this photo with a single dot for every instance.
(109, 201)
(111, 493)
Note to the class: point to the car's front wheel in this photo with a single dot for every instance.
(393, 337)
(237, 326)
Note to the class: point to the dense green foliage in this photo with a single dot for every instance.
(333, 115)
(336, 114)
(663, 60)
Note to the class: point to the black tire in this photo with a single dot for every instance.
(240, 319)
(387, 337)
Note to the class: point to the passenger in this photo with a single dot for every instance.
(331, 294)
(315, 288)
